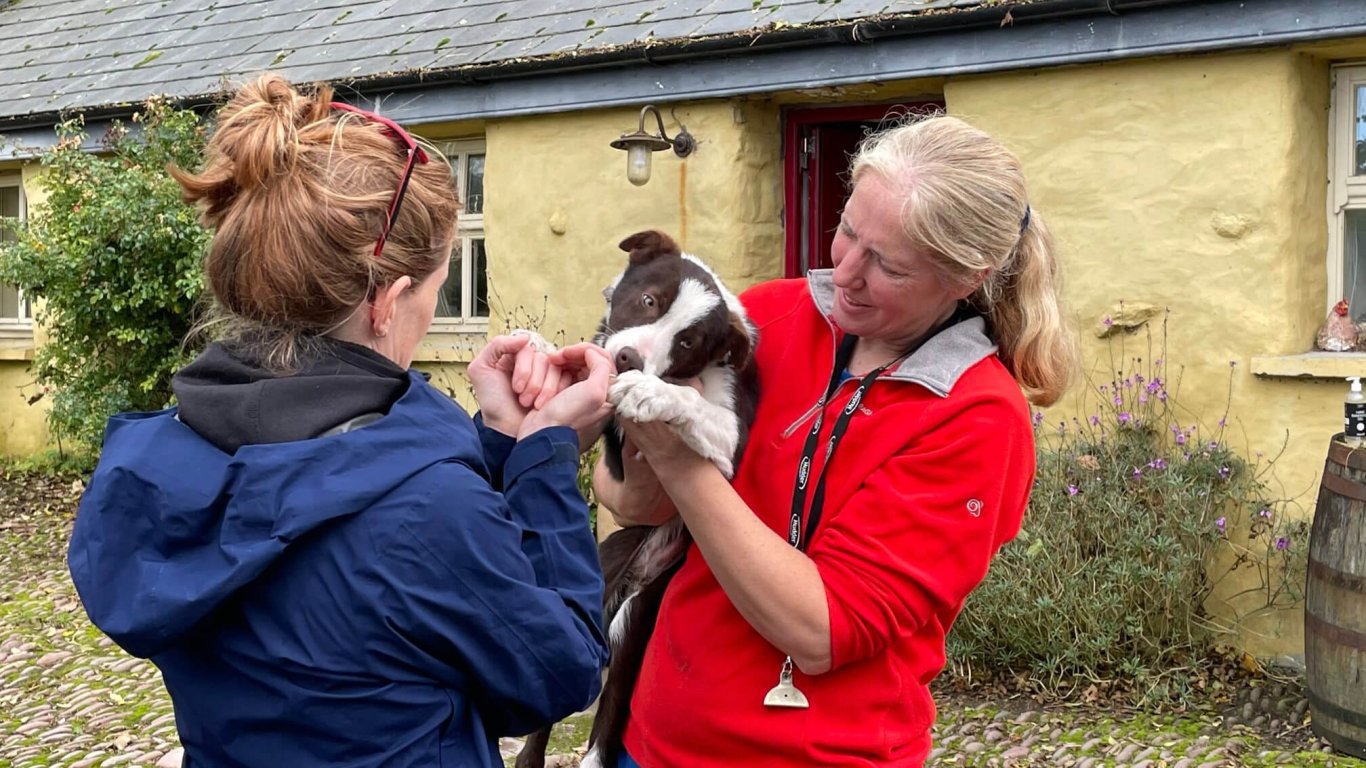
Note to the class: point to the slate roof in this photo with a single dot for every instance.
(65, 55)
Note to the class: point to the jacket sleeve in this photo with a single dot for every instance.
(497, 447)
(917, 536)
(503, 592)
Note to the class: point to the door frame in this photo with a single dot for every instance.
(795, 120)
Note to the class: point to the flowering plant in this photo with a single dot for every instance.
(1147, 540)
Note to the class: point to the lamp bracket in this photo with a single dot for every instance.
(682, 142)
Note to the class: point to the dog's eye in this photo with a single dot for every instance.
(647, 300)
(684, 343)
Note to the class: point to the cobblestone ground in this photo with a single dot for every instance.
(69, 697)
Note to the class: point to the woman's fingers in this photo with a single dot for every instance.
(540, 365)
(574, 358)
(500, 349)
(553, 385)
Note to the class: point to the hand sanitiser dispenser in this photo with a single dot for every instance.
(1354, 413)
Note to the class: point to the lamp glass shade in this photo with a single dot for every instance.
(638, 163)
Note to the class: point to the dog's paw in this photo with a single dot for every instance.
(538, 341)
(640, 397)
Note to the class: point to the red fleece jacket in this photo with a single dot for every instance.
(930, 480)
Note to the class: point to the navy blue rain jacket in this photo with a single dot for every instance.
(398, 595)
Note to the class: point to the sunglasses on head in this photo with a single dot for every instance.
(411, 150)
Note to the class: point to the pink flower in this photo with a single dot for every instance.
(1072, 490)
(1282, 543)
(1220, 524)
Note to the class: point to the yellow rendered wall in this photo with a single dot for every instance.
(23, 429)
(1196, 184)
(557, 202)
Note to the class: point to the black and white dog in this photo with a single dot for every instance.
(669, 322)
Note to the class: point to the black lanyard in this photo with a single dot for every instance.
(795, 536)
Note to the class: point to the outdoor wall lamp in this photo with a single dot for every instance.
(640, 146)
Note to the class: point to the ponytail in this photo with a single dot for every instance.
(1024, 309)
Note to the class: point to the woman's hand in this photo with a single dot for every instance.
(638, 498)
(663, 450)
(514, 374)
(582, 405)
(491, 376)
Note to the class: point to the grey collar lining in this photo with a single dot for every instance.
(939, 362)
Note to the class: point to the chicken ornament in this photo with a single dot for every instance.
(1338, 333)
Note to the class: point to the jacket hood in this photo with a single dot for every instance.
(171, 526)
(232, 402)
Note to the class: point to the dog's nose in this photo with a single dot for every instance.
(628, 359)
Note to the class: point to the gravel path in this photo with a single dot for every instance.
(69, 697)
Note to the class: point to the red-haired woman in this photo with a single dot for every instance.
(329, 561)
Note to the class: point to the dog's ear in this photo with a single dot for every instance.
(647, 245)
(738, 342)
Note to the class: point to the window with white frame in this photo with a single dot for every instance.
(1347, 198)
(465, 299)
(15, 309)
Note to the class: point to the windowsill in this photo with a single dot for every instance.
(1311, 365)
(16, 342)
(452, 343)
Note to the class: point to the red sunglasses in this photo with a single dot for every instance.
(414, 155)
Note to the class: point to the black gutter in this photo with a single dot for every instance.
(857, 32)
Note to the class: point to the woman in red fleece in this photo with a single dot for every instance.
(809, 619)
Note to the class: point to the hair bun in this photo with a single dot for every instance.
(258, 132)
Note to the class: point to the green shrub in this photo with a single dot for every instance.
(1138, 513)
(112, 255)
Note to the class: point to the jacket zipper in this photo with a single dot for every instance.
(834, 353)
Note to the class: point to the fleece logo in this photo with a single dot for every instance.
(975, 507)
(853, 402)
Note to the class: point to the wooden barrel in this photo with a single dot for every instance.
(1335, 602)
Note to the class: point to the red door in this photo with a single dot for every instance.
(819, 144)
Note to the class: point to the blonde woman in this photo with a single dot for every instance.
(891, 457)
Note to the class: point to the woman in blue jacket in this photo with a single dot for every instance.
(329, 561)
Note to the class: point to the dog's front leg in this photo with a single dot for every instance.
(707, 428)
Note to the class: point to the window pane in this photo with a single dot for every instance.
(481, 279)
(448, 303)
(1359, 133)
(9, 303)
(9, 209)
(1354, 262)
(474, 184)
